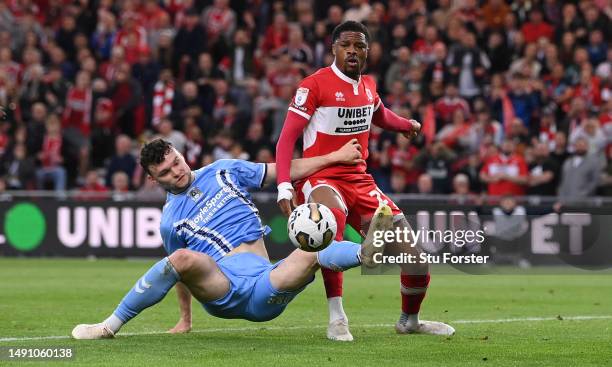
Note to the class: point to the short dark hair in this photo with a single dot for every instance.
(350, 26)
(154, 152)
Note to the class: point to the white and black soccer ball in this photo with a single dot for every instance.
(312, 227)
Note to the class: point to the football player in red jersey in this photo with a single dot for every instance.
(331, 107)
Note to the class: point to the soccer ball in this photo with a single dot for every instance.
(311, 227)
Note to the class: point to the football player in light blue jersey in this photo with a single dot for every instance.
(213, 235)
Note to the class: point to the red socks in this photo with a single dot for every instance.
(414, 288)
(332, 279)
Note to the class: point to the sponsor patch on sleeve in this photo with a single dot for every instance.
(300, 96)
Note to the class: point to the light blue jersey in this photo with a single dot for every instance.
(215, 214)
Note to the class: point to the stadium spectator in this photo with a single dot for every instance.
(51, 157)
(189, 102)
(145, 71)
(150, 191)
(167, 132)
(543, 172)
(468, 65)
(102, 133)
(300, 52)
(590, 131)
(276, 35)
(437, 73)
(505, 173)
(220, 22)
(436, 162)
(92, 189)
(189, 42)
(400, 158)
(241, 58)
(206, 72)
(18, 169)
(126, 94)
(536, 27)
(461, 193)
(194, 145)
(122, 161)
(580, 174)
(511, 223)
(120, 186)
(400, 68)
(35, 127)
(472, 170)
(494, 13)
(459, 134)
(424, 184)
(446, 106)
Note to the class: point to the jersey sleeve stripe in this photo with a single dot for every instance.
(377, 105)
(303, 114)
(265, 174)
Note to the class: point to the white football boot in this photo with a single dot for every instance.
(338, 330)
(425, 327)
(92, 331)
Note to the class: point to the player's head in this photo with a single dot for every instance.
(165, 165)
(350, 41)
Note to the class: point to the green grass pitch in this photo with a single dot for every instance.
(43, 297)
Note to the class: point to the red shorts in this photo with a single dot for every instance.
(358, 192)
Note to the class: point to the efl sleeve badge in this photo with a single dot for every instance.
(300, 96)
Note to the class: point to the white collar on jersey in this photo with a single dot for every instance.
(347, 79)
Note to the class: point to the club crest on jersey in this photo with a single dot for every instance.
(300, 96)
(195, 194)
(339, 97)
(369, 94)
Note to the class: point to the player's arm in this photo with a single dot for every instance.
(389, 120)
(349, 154)
(301, 109)
(184, 300)
(173, 242)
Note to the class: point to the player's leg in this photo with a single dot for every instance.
(338, 321)
(197, 271)
(299, 267)
(414, 277)
(414, 281)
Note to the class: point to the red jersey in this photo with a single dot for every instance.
(513, 166)
(51, 151)
(339, 109)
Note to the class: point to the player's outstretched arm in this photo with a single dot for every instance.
(350, 153)
(389, 120)
(184, 298)
(293, 127)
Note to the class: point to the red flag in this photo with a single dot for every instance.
(429, 123)
(508, 112)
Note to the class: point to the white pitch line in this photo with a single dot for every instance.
(276, 328)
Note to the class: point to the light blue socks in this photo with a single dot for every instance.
(149, 290)
(340, 256)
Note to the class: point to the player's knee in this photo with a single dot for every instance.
(184, 260)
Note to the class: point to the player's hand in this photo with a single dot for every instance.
(287, 206)
(414, 129)
(350, 153)
(286, 198)
(181, 327)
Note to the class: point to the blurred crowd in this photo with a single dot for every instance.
(515, 97)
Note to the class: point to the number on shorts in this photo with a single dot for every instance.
(378, 195)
